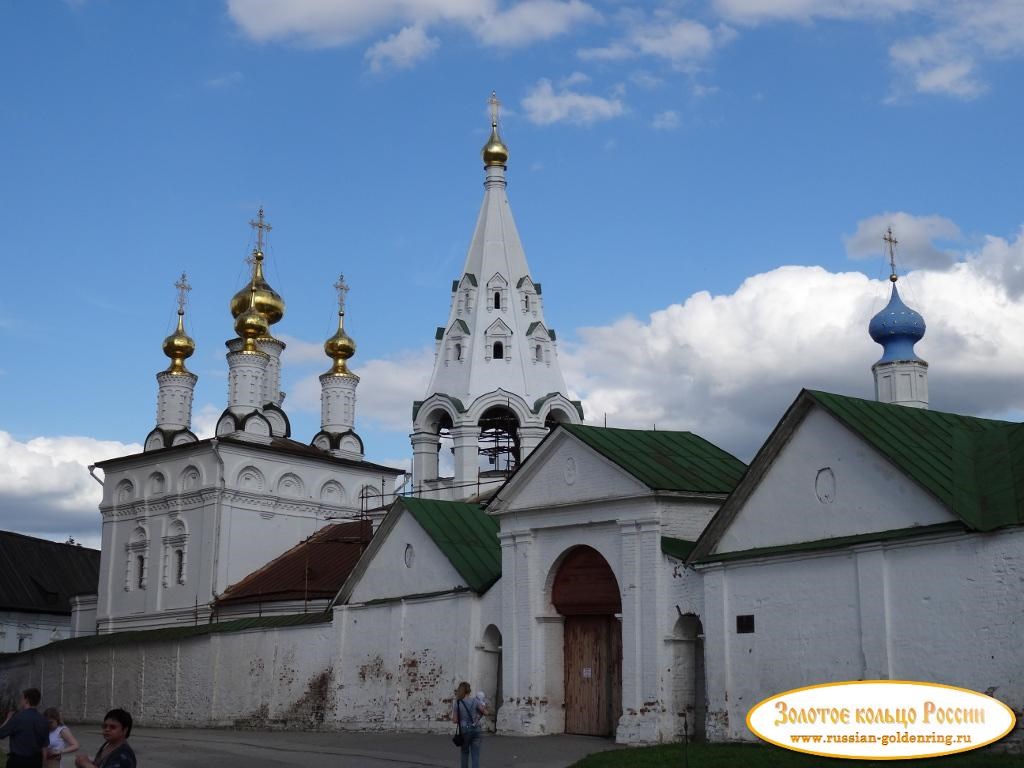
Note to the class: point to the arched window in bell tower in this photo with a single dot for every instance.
(497, 299)
(498, 352)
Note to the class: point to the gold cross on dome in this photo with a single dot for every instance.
(183, 287)
(342, 288)
(891, 241)
(260, 226)
(494, 105)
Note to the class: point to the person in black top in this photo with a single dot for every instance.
(115, 752)
(29, 732)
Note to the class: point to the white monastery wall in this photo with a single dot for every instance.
(878, 612)
(840, 485)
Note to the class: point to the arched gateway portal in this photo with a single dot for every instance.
(586, 593)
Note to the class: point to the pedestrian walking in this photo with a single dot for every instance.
(466, 712)
(28, 732)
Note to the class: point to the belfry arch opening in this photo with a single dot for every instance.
(689, 690)
(499, 441)
(586, 592)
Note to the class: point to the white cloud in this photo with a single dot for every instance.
(533, 20)
(935, 65)
(757, 11)
(576, 78)
(298, 350)
(224, 81)
(666, 121)
(45, 487)
(387, 389)
(325, 23)
(727, 366)
(402, 50)
(544, 106)
(916, 236)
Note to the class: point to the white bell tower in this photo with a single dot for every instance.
(496, 385)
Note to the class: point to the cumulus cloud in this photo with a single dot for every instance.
(224, 81)
(329, 23)
(45, 487)
(757, 11)
(727, 366)
(387, 389)
(544, 106)
(665, 121)
(681, 42)
(533, 20)
(917, 236)
(402, 50)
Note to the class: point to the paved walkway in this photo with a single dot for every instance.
(186, 748)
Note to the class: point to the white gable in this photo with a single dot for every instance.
(567, 471)
(828, 482)
(392, 574)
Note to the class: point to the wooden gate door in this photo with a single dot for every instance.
(593, 674)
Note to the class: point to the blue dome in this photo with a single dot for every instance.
(897, 328)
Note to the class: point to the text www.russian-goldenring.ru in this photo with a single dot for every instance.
(885, 739)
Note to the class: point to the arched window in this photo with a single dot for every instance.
(526, 302)
(458, 351)
(179, 566)
(538, 353)
(140, 571)
(499, 351)
(497, 299)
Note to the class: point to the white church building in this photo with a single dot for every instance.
(635, 584)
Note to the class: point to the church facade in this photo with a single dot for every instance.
(641, 585)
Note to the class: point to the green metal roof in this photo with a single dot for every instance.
(667, 461)
(196, 630)
(680, 549)
(466, 535)
(533, 326)
(461, 325)
(974, 466)
(836, 542)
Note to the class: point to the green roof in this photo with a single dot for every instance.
(668, 461)
(466, 535)
(680, 549)
(196, 630)
(835, 542)
(974, 466)
(461, 325)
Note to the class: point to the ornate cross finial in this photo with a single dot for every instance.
(342, 288)
(891, 241)
(260, 225)
(183, 287)
(494, 106)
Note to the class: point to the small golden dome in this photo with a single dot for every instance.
(179, 346)
(340, 347)
(495, 152)
(267, 301)
(251, 324)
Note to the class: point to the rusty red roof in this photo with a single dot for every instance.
(312, 570)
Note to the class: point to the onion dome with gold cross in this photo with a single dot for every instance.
(179, 345)
(494, 152)
(266, 300)
(252, 324)
(340, 347)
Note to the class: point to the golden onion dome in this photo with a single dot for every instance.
(251, 324)
(179, 346)
(267, 301)
(494, 152)
(340, 347)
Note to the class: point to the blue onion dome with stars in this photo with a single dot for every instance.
(897, 328)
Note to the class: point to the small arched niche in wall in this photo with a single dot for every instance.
(825, 485)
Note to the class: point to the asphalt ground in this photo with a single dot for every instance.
(188, 748)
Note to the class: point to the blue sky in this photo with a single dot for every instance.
(701, 187)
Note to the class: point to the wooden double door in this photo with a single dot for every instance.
(593, 674)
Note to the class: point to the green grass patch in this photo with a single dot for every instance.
(767, 756)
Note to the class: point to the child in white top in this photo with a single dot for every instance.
(62, 741)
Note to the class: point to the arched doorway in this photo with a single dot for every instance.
(586, 593)
(490, 670)
(688, 686)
